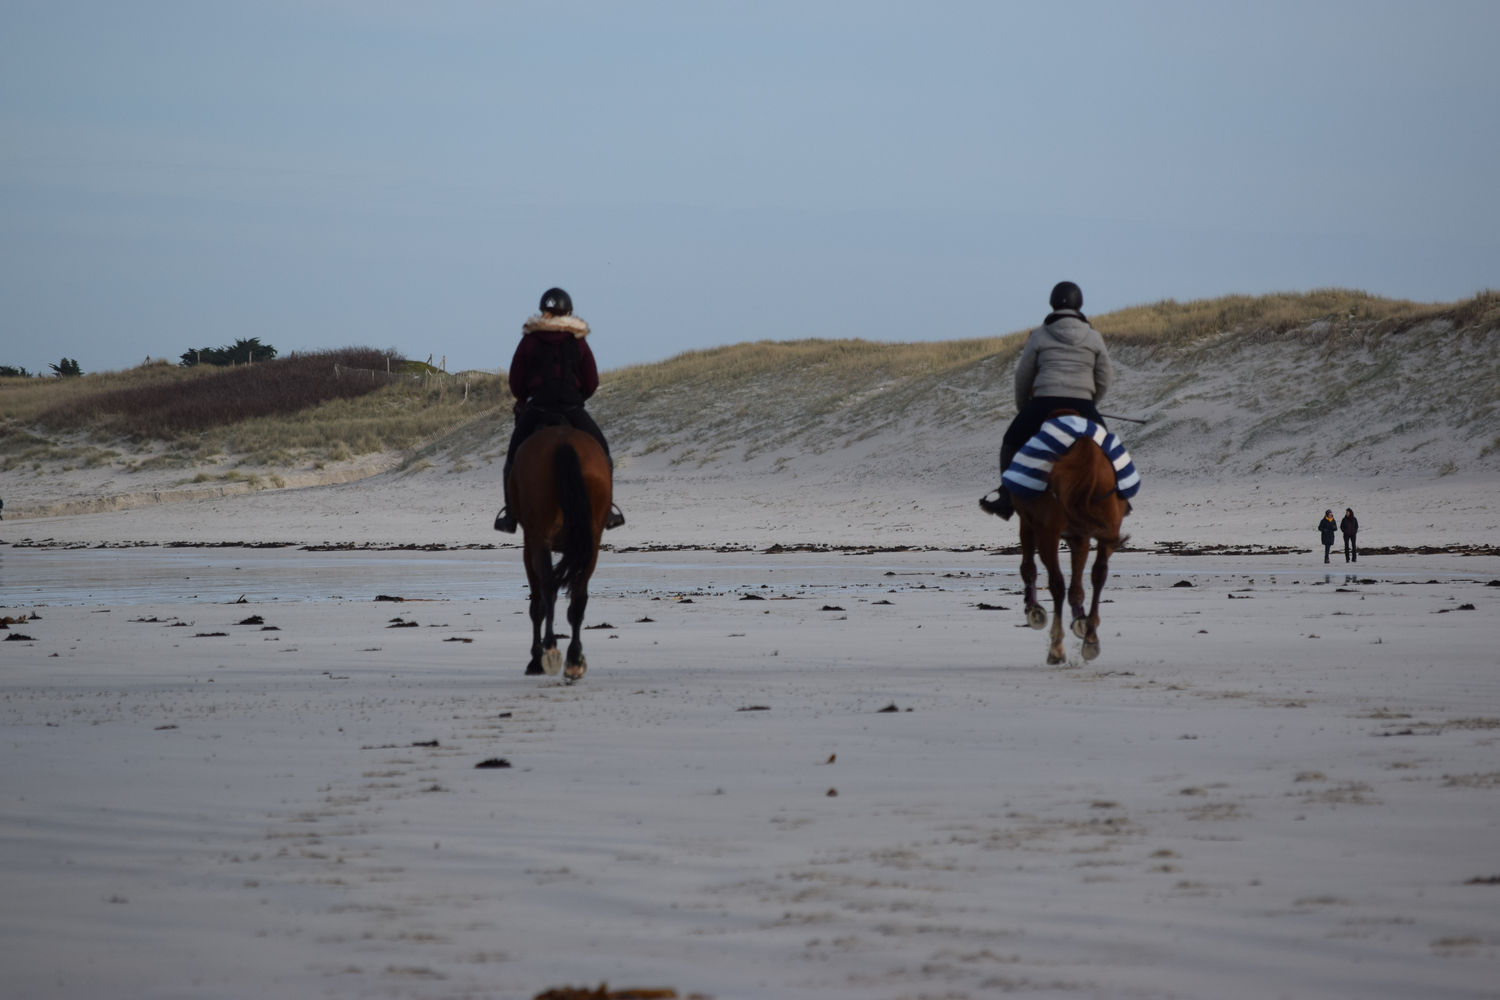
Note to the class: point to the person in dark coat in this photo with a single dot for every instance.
(1350, 527)
(551, 375)
(1328, 528)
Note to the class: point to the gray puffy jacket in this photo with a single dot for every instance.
(1063, 357)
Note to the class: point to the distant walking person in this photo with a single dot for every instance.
(1328, 527)
(1064, 366)
(1350, 527)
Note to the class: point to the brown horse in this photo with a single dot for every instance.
(1082, 505)
(562, 487)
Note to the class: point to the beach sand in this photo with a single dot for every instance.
(838, 769)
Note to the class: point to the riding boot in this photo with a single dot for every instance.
(1001, 506)
(506, 521)
(615, 518)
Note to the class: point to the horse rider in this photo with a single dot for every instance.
(551, 375)
(1064, 366)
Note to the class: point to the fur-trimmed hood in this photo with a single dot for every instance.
(559, 324)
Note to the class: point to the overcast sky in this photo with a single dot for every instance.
(326, 173)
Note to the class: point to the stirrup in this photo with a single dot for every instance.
(505, 521)
(615, 518)
(1001, 506)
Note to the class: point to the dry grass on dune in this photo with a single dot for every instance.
(24, 400)
(272, 413)
(1236, 369)
(392, 418)
(772, 397)
(1169, 322)
(164, 410)
(1163, 323)
(1199, 367)
(728, 367)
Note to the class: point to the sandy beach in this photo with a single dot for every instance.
(816, 754)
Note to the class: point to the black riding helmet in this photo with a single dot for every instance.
(1066, 295)
(556, 302)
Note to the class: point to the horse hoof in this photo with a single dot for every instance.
(551, 662)
(575, 671)
(1036, 616)
(533, 668)
(1090, 650)
(1080, 627)
(1053, 659)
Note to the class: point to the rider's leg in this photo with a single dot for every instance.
(526, 422)
(1001, 505)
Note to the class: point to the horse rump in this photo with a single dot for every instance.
(576, 541)
(1084, 481)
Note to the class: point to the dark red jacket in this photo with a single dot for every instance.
(529, 377)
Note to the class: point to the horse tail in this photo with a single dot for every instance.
(578, 516)
(1083, 480)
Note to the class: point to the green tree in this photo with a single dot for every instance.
(66, 368)
(241, 352)
(11, 371)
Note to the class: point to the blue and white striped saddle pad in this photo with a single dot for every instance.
(1028, 472)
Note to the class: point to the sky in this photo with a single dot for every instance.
(177, 174)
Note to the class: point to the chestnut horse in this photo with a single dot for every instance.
(1081, 504)
(562, 488)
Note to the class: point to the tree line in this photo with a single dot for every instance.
(66, 368)
(241, 352)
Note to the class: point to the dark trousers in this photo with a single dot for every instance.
(1035, 413)
(1351, 550)
(532, 417)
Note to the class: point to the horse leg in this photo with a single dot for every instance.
(538, 609)
(578, 599)
(1058, 589)
(543, 611)
(1078, 548)
(1036, 615)
(551, 655)
(1100, 574)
